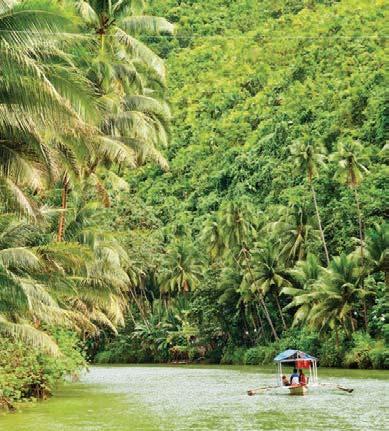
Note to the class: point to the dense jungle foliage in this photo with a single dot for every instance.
(267, 232)
(249, 220)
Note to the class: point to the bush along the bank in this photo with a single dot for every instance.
(362, 351)
(28, 373)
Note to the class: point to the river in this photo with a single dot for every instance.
(197, 398)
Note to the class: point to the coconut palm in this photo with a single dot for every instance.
(295, 227)
(377, 248)
(268, 273)
(80, 283)
(309, 156)
(125, 72)
(337, 294)
(235, 231)
(304, 276)
(122, 21)
(181, 268)
(40, 87)
(351, 158)
(211, 235)
(237, 226)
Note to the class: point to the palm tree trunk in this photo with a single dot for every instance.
(360, 223)
(61, 222)
(362, 239)
(261, 300)
(280, 311)
(140, 308)
(320, 225)
(268, 318)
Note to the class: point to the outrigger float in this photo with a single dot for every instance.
(299, 360)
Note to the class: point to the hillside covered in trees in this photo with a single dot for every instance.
(269, 222)
(190, 181)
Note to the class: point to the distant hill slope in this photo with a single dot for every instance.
(246, 79)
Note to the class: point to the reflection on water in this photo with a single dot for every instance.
(151, 398)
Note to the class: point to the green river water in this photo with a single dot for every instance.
(183, 398)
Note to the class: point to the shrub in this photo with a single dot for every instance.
(27, 372)
(330, 354)
(233, 355)
(379, 356)
(367, 353)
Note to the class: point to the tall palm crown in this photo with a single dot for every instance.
(266, 273)
(237, 226)
(129, 76)
(377, 246)
(296, 227)
(308, 156)
(351, 159)
(40, 87)
(121, 21)
(181, 268)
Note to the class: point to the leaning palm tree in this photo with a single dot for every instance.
(128, 76)
(212, 236)
(237, 230)
(350, 159)
(40, 87)
(237, 221)
(309, 156)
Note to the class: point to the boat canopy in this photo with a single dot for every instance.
(291, 355)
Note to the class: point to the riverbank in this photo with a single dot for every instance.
(358, 351)
(205, 398)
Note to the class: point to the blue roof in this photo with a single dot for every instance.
(292, 354)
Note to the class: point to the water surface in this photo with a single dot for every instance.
(167, 398)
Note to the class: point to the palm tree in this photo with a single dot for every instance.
(336, 295)
(309, 157)
(295, 227)
(304, 275)
(128, 75)
(121, 21)
(211, 235)
(80, 283)
(237, 223)
(268, 273)
(181, 268)
(231, 235)
(350, 158)
(377, 247)
(40, 88)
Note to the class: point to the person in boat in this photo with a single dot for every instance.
(285, 381)
(294, 378)
(302, 378)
